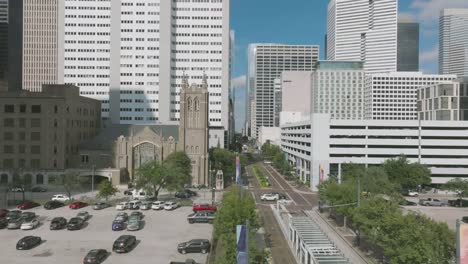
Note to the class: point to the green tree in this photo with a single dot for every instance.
(69, 181)
(459, 186)
(405, 174)
(171, 174)
(106, 190)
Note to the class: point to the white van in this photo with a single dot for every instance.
(142, 195)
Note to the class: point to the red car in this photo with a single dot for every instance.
(3, 212)
(77, 205)
(27, 205)
(204, 207)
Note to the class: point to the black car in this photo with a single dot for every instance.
(58, 223)
(38, 189)
(185, 194)
(13, 214)
(95, 256)
(53, 205)
(75, 223)
(201, 217)
(128, 192)
(28, 242)
(28, 215)
(194, 246)
(3, 223)
(124, 244)
(187, 261)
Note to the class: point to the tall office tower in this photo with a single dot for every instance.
(42, 43)
(393, 96)
(15, 45)
(453, 41)
(338, 89)
(266, 62)
(132, 56)
(408, 47)
(363, 30)
(3, 45)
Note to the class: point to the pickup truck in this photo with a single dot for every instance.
(188, 261)
(431, 202)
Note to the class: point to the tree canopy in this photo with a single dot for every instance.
(170, 174)
(68, 181)
(106, 190)
(405, 174)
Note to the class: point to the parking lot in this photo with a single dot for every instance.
(157, 240)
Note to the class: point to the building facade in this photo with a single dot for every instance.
(41, 132)
(408, 47)
(338, 89)
(320, 146)
(296, 93)
(444, 101)
(363, 30)
(453, 41)
(3, 45)
(132, 56)
(393, 96)
(266, 62)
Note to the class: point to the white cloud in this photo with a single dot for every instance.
(429, 56)
(239, 82)
(427, 11)
(406, 17)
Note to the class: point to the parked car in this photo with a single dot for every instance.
(122, 217)
(16, 189)
(142, 195)
(281, 196)
(185, 194)
(407, 203)
(100, 206)
(95, 256)
(137, 214)
(13, 214)
(75, 223)
(38, 189)
(431, 202)
(27, 205)
(194, 246)
(171, 205)
(28, 242)
(133, 223)
(410, 193)
(83, 215)
(15, 223)
(134, 205)
(124, 244)
(158, 205)
(61, 198)
(146, 205)
(3, 212)
(204, 207)
(458, 203)
(58, 223)
(269, 197)
(187, 261)
(201, 217)
(118, 225)
(77, 205)
(3, 223)
(128, 191)
(122, 206)
(30, 223)
(53, 205)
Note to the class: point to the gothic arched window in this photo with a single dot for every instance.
(189, 104)
(197, 104)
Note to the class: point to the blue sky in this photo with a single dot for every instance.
(304, 22)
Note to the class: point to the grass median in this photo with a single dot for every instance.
(264, 182)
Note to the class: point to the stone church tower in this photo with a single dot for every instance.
(193, 128)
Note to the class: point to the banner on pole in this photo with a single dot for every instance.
(238, 171)
(242, 245)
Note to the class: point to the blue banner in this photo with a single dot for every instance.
(242, 245)
(238, 171)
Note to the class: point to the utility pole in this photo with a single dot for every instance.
(92, 179)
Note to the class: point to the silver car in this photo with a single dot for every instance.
(133, 223)
(83, 215)
(15, 223)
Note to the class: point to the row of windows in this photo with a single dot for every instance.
(35, 109)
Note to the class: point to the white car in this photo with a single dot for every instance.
(413, 193)
(171, 205)
(145, 205)
(122, 206)
(269, 197)
(158, 205)
(61, 198)
(30, 224)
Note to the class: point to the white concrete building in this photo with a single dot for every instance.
(439, 102)
(296, 94)
(393, 96)
(271, 134)
(338, 89)
(266, 63)
(42, 54)
(132, 55)
(319, 146)
(363, 30)
(453, 41)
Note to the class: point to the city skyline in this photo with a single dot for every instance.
(308, 18)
